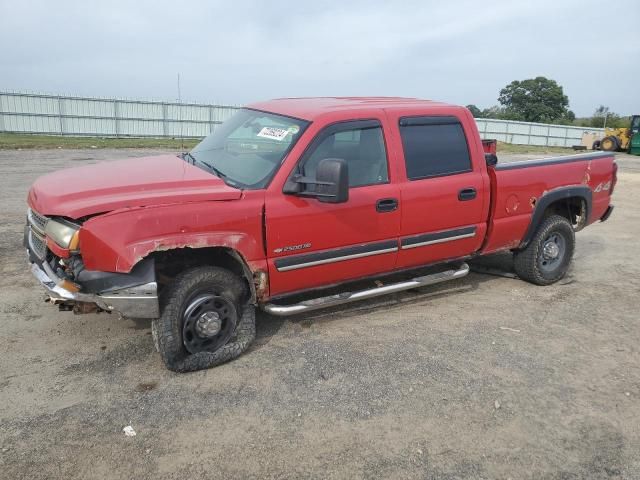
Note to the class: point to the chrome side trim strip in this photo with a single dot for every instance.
(336, 259)
(439, 240)
(340, 298)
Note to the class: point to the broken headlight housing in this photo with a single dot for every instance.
(65, 234)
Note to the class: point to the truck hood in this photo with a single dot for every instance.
(133, 182)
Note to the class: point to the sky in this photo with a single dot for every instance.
(236, 52)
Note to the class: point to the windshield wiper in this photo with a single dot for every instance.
(219, 174)
(188, 155)
(213, 169)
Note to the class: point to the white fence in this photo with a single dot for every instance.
(107, 117)
(114, 117)
(525, 133)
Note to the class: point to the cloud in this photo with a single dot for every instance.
(458, 51)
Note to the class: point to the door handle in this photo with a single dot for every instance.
(386, 205)
(467, 194)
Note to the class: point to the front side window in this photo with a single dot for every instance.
(362, 148)
(247, 149)
(434, 146)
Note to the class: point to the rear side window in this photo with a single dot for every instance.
(434, 146)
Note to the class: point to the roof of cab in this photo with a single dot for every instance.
(309, 108)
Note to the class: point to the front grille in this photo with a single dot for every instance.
(39, 222)
(37, 240)
(37, 244)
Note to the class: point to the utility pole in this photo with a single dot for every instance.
(179, 109)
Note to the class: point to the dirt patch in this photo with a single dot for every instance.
(489, 377)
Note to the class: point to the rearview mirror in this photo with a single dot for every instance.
(491, 159)
(331, 182)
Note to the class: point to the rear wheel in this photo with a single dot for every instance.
(203, 322)
(609, 144)
(547, 257)
(596, 145)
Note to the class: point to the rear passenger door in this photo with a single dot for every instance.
(442, 196)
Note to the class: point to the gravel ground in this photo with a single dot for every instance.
(488, 377)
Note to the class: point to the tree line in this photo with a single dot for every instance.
(543, 100)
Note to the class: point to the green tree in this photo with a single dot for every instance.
(475, 111)
(537, 99)
(613, 120)
(496, 112)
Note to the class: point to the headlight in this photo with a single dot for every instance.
(65, 235)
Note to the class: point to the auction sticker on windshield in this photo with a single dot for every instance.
(273, 133)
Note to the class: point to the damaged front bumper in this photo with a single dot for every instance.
(140, 301)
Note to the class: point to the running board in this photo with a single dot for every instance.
(346, 297)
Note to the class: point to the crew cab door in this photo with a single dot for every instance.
(310, 243)
(444, 193)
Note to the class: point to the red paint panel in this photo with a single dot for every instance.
(507, 233)
(431, 205)
(295, 220)
(116, 241)
(521, 188)
(133, 182)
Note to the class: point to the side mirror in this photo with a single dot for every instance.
(331, 182)
(491, 159)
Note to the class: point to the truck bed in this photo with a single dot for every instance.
(515, 196)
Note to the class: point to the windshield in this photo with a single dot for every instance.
(247, 149)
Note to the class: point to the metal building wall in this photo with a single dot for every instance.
(114, 117)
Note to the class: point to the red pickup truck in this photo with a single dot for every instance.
(297, 204)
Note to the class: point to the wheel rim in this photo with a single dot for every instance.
(208, 323)
(552, 252)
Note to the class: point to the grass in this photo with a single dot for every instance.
(14, 141)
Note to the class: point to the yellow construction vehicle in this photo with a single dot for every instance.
(619, 139)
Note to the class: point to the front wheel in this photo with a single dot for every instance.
(203, 322)
(547, 257)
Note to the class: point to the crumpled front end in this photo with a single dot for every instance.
(56, 262)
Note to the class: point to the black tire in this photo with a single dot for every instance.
(536, 263)
(610, 144)
(181, 349)
(596, 145)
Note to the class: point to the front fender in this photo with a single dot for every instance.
(116, 241)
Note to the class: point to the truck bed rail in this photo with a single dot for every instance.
(553, 160)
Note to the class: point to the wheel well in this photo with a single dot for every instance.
(573, 209)
(170, 263)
